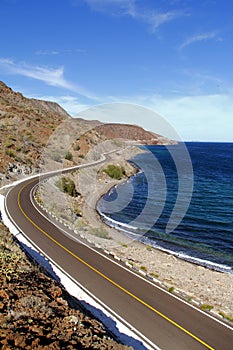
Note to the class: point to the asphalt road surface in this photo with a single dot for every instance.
(166, 321)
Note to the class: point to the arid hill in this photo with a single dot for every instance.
(25, 126)
(131, 133)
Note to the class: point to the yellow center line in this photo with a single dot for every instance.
(107, 278)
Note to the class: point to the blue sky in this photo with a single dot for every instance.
(172, 56)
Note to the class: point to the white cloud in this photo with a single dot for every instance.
(194, 118)
(203, 117)
(50, 76)
(189, 118)
(151, 17)
(157, 20)
(199, 37)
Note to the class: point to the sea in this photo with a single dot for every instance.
(180, 201)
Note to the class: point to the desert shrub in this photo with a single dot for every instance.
(69, 156)
(226, 316)
(10, 153)
(115, 171)
(207, 307)
(155, 275)
(76, 147)
(12, 138)
(9, 144)
(143, 268)
(18, 148)
(77, 211)
(67, 185)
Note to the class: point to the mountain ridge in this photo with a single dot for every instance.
(26, 124)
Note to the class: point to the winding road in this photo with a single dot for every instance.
(163, 319)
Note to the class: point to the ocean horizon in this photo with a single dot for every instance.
(204, 236)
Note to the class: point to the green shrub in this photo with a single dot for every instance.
(206, 307)
(155, 275)
(12, 138)
(77, 211)
(9, 144)
(226, 316)
(76, 147)
(10, 153)
(67, 185)
(69, 156)
(143, 268)
(114, 171)
(171, 289)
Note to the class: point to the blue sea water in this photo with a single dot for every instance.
(205, 234)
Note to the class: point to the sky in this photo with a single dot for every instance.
(173, 57)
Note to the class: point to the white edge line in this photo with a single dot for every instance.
(123, 326)
(132, 272)
(94, 163)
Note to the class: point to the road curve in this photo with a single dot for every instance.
(162, 318)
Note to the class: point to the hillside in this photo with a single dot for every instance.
(25, 126)
(131, 133)
(35, 310)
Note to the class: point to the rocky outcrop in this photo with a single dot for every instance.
(37, 313)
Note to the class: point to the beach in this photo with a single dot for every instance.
(198, 285)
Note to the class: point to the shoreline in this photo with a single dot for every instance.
(119, 226)
(205, 288)
(201, 285)
(189, 258)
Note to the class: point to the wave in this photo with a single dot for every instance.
(114, 223)
(199, 261)
(133, 232)
(205, 235)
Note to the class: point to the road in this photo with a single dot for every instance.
(165, 320)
